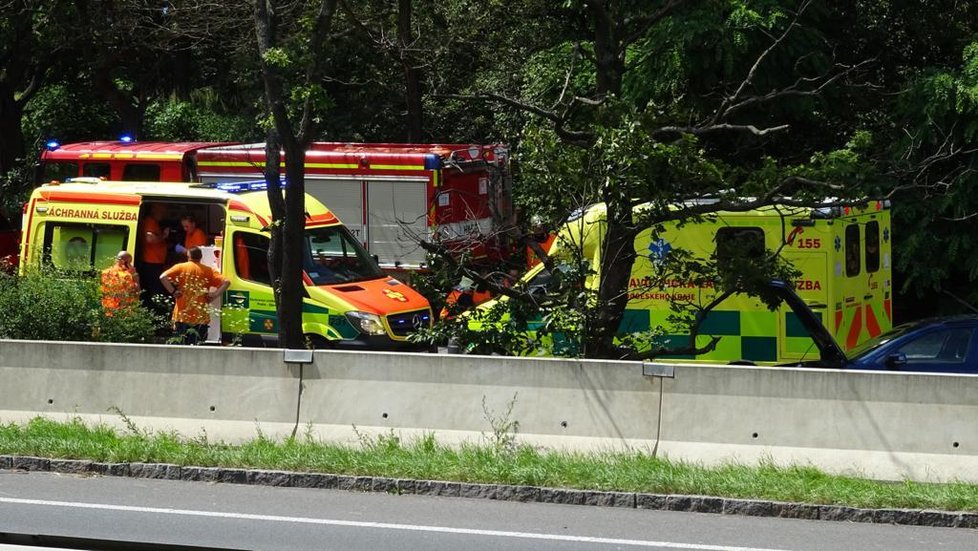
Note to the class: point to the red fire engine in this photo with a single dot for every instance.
(388, 195)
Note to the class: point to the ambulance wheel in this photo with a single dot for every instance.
(318, 342)
(742, 362)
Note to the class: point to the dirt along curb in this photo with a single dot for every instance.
(504, 492)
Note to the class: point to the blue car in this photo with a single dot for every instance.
(944, 345)
(936, 345)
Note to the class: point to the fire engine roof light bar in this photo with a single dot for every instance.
(126, 138)
(432, 162)
(53, 145)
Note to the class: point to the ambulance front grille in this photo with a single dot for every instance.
(405, 323)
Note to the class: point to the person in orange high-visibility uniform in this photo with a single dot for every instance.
(152, 253)
(538, 236)
(193, 235)
(464, 296)
(189, 283)
(120, 284)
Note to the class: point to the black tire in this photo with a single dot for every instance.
(319, 342)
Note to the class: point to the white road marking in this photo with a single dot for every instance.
(379, 525)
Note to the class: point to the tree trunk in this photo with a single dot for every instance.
(126, 105)
(276, 203)
(289, 224)
(617, 257)
(292, 292)
(618, 252)
(412, 74)
(608, 56)
(11, 136)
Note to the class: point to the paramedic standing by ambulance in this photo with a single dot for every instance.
(195, 237)
(152, 256)
(120, 284)
(189, 282)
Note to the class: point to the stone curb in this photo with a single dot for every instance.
(503, 492)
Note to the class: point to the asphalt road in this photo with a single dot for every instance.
(260, 517)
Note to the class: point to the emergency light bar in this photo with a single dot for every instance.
(239, 187)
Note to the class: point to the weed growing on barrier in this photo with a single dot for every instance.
(424, 458)
(504, 427)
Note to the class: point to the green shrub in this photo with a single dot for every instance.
(46, 305)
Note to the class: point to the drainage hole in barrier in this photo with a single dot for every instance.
(563, 424)
(754, 435)
(213, 408)
(50, 400)
(955, 444)
(384, 415)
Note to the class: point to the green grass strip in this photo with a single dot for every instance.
(425, 458)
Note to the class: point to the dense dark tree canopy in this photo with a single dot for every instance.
(620, 101)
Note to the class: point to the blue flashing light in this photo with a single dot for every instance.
(126, 138)
(432, 162)
(243, 186)
(52, 145)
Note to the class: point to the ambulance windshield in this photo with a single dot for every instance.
(332, 256)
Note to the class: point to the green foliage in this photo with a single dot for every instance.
(940, 110)
(67, 113)
(175, 120)
(48, 305)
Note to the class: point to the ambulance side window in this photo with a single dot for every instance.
(141, 173)
(873, 247)
(97, 170)
(251, 257)
(734, 244)
(83, 247)
(852, 250)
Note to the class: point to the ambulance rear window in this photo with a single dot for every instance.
(853, 264)
(872, 247)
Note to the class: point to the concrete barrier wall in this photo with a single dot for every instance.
(576, 404)
(223, 393)
(877, 424)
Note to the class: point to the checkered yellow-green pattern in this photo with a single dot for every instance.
(744, 335)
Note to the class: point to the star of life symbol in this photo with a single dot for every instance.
(394, 295)
(838, 243)
(659, 250)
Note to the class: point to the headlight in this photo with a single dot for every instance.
(366, 323)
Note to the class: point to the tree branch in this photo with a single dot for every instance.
(749, 79)
(580, 138)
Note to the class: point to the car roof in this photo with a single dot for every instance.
(965, 320)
